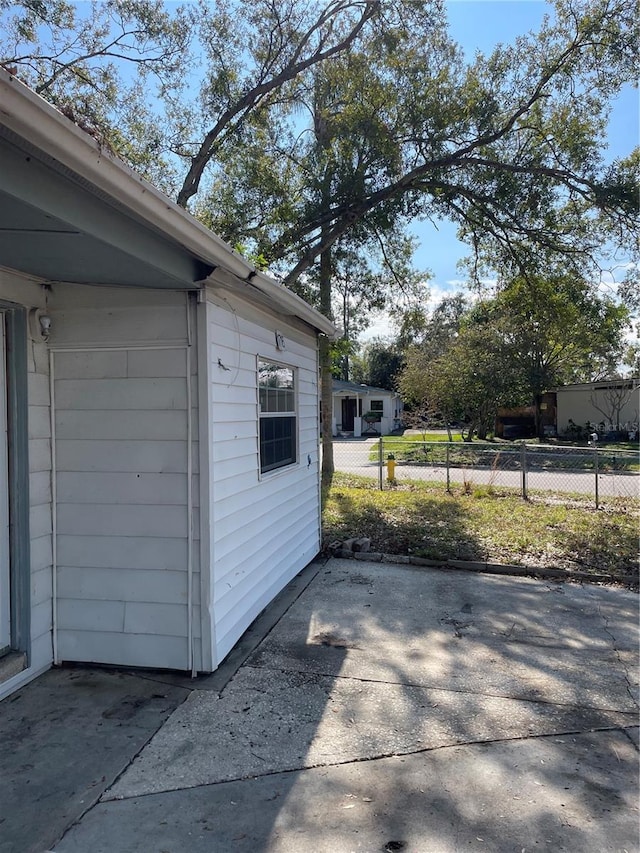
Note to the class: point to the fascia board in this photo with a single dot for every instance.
(32, 118)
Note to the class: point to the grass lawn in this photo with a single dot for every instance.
(413, 450)
(488, 525)
(426, 436)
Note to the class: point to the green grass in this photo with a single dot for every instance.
(500, 454)
(427, 436)
(485, 524)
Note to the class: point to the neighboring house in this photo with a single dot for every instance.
(351, 401)
(159, 416)
(614, 404)
(520, 422)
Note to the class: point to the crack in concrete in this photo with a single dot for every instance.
(459, 691)
(635, 745)
(378, 757)
(94, 801)
(630, 690)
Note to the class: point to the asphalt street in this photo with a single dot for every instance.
(353, 456)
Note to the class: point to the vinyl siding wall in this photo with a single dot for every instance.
(122, 477)
(21, 291)
(263, 530)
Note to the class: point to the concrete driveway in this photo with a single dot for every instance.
(392, 708)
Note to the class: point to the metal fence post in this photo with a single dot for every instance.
(380, 463)
(448, 471)
(595, 468)
(523, 465)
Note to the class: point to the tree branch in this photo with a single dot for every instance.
(248, 101)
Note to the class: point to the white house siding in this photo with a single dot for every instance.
(264, 530)
(40, 515)
(123, 540)
(391, 412)
(21, 291)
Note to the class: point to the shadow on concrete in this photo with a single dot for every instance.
(65, 738)
(402, 709)
(469, 662)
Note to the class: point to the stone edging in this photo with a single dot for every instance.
(476, 566)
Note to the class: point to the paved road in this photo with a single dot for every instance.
(353, 457)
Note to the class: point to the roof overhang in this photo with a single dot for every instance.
(362, 391)
(71, 211)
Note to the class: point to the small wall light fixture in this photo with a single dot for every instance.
(39, 324)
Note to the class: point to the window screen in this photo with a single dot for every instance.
(278, 418)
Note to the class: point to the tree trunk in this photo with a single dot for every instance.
(326, 402)
(537, 415)
(326, 379)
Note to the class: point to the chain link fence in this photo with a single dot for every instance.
(594, 473)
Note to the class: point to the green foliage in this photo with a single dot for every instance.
(102, 65)
(536, 333)
(378, 365)
(342, 350)
(301, 127)
(259, 261)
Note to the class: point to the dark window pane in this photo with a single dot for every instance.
(277, 442)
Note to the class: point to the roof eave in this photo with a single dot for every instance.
(32, 118)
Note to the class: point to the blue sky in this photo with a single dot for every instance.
(480, 25)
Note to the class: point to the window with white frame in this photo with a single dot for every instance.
(377, 406)
(277, 415)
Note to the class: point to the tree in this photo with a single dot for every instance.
(379, 365)
(367, 280)
(82, 58)
(507, 350)
(466, 383)
(96, 62)
(255, 51)
(557, 329)
(508, 146)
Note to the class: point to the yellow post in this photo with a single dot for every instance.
(391, 467)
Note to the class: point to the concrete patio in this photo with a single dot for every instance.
(372, 707)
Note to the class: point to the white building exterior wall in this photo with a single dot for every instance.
(22, 291)
(115, 491)
(263, 529)
(124, 526)
(576, 403)
(391, 411)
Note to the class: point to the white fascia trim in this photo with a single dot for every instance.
(31, 117)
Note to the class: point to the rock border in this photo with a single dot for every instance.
(487, 568)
